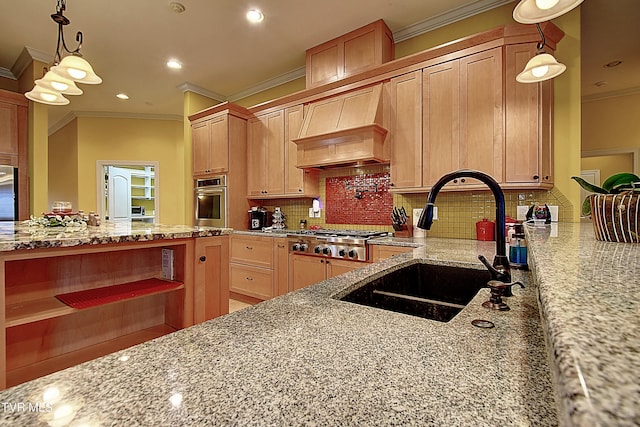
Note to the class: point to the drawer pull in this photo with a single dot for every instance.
(203, 258)
(249, 247)
(249, 278)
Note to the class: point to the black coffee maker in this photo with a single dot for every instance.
(259, 217)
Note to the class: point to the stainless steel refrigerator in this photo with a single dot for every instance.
(8, 193)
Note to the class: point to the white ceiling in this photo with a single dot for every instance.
(128, 43)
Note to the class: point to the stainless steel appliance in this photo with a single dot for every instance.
(211, 201)
(345, 244)
(138, 210)
(8, 193)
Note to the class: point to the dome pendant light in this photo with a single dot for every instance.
(541, 67)
(66, 70)
(534, 11)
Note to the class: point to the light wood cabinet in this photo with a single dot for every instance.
(255, 267)
(215, 137)
(14, 112)
(528, 117)
(281, 265)
(405, 131)
(380, 252)
(349, 54)
(124, 301)
(462, 118)
(211, 278)
(298, 182)
(265, 155)
(306, 270)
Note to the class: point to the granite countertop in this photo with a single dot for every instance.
(17, 235)
(306, 358)
(589, 294)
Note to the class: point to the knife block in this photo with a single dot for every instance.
(407, 229)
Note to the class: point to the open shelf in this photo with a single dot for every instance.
(66, 360)
(46, 308)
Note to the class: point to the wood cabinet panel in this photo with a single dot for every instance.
(380, 252)
(265, 155)
(305, 271)
(405, 131)
(462, 118)
(281, 265)
(8, 128)
(252, 281)
(252, 250)
(349, 54)
(441, 116)
(14, 135)
(336, 267)
(211, 146)
(211, 278)
(528, 109)
(297, 181)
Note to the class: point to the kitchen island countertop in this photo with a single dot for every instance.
(17, 235)
(307, 358)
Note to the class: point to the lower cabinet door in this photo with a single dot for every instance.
(252, 281)
(336, 267)
(306, 270)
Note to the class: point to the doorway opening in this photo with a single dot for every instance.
(128, 190)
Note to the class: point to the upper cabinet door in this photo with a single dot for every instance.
(441, 117)
(528, 118)
(405, 130)
(481, 118)
(210, 146)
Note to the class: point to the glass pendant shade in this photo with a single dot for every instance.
(534, 11)
(76, 68)
(46, 96)
(540, 68)
(55, 82)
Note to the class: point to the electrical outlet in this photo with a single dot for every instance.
(522, 213)
(553, 210)
(311, 213)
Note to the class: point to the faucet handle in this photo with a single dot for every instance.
(501, 273)
(499, 289)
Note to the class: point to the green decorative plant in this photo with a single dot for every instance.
(615, 184)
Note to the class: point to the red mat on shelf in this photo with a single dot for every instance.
(99, 296)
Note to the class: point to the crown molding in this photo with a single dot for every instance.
(612, 94)
(68, 118)
(189, 87)
(447, 18)
(7, 74)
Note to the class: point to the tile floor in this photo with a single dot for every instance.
(235, 305)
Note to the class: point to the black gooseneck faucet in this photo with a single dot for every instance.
(500, 270)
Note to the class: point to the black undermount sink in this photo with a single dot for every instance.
(431, 291)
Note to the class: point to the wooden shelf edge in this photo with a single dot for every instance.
(47, 308)
(63, 361)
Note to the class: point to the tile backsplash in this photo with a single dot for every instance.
(458, 212)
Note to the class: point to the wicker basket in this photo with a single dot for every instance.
(616, 217)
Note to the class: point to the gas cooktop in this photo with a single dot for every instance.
(349, 244)
(360, 234)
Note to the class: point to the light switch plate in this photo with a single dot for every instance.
(522, 213)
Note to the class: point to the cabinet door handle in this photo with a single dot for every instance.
(249, 278)
(536, 177)
(203, 258)
(321, 261)
(280, 245)
(249, 247)
(463, 180)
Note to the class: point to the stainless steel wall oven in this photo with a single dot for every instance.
(211, 201)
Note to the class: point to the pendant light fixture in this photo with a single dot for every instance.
(534, 11)
(66, 71)
(543, 66)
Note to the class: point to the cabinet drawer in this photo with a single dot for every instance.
(252, 281)
(253, 250)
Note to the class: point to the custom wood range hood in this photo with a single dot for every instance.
(343, 130)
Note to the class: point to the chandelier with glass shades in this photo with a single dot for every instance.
(543, 66)
(66, 71)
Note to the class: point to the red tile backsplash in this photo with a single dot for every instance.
(359, 199)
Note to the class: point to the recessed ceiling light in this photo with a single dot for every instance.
(612, 64)
(122, 96)
(254, 15)
(174, 64)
